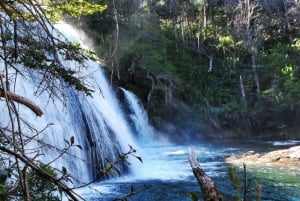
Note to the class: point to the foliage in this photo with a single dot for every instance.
(43, 189)
(194, 196)
(58, 9)
(111, 168)
(3, 187)
(229, 65)
(242, 188)
(235, 182)
(41, 51)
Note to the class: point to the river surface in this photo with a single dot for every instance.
(166, 174)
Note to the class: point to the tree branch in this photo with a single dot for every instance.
(42, 173)
(22, 100)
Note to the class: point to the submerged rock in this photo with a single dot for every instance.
(283, 158)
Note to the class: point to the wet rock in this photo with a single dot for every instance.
(283, 158)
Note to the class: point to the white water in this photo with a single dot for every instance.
(96, 122)
(145, 134)
(285, 143)
(139, 117)
(171, 177)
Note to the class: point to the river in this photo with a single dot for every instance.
(166, 175)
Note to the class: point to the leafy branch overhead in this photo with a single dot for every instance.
(57, 9)
(46, 51)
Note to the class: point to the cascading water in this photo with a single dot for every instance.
(96, 122)
(138, 117)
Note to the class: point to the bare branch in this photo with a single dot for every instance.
(22, 100)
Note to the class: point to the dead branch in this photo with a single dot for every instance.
(208, 188)
(22, 100)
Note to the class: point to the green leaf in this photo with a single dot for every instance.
(3, 176)
(108, 166)
(66, 141)
(132, 190)
(139, 158)
(123, 157)
(64, 170)
(79, 146)
(193, 196)
(130, 147)
(117, 171)
(56, 10)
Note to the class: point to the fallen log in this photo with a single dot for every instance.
(208, 188)
(22, 100)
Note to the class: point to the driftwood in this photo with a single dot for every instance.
(22, 100)
(208, 188)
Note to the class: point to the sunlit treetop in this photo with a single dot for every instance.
(57, 9)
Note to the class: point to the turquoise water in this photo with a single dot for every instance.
(166, 175)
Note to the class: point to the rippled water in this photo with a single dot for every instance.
(168, 175)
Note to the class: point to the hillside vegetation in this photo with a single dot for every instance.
(212, 66)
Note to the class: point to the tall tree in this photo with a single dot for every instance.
(246, 24)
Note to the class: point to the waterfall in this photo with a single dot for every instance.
(97, 123)
(138, 117)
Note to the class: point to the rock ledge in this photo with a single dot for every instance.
(283, 158)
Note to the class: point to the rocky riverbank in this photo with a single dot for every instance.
(284, 158)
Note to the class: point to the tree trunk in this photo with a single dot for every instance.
(242, 88)
(182, 28)
(254, 69)
(204, 15)
(115, 54)
(210, 65)
(208, 188)
(287, 22)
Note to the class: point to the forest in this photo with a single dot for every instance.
(226, 67)
(202, 69)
